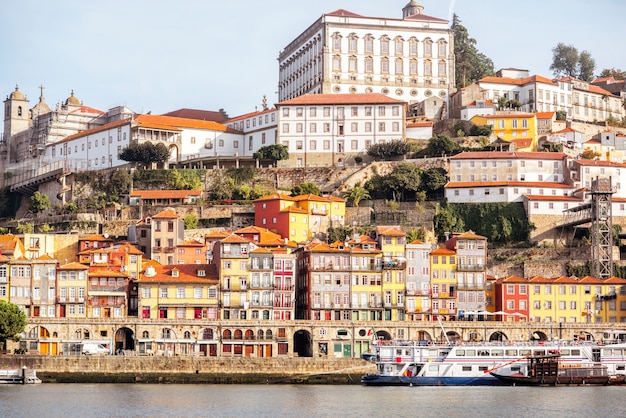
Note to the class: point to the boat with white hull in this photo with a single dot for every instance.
(419, 363)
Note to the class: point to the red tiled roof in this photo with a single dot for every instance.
(167, 213)
(180, 122)
(207, 115)
(522, 142)
(545, 115)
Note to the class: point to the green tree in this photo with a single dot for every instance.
(440, 145)
(191, 221)
(445, 221)
(27, 228)
(184, 180)
(403, 178)
(355, 194)
(561, 115)
(145, 153)
(586, 66)
(274, 152)
(305, 188)
(12, 322)
(389, 149)
(39, 202)
(564, 60)
(433, 181)
(416, 234)
(589, 154)
(613, 72)
(484, 130)
(338, 234)
(221, 186)
(470, 64)
(567, 61)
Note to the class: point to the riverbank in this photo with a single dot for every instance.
(128, 369)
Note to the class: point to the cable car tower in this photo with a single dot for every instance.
(601, 228)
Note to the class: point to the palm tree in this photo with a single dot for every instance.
(356, 194)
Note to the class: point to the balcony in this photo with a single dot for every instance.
(394, 264)
(368, 267)
(470, 267)
(284, 287)
(170, 249)
(471, 286)
(156, 249)
(329, 267)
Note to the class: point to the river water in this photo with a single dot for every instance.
(144, 400)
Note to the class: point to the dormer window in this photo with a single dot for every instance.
(201, 273)
(175, 273)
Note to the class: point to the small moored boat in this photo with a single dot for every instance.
(547, 370)
(20, 377)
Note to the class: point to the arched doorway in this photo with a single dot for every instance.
(124, 340)
(383, 335)
(453, 337)
(303, 343)
(498, 336)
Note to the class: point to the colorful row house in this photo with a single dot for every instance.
(560, 299)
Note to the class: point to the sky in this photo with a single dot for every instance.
(162, 55)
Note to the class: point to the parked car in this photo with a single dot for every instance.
(95, 349)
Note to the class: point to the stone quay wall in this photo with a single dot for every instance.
(134, 369)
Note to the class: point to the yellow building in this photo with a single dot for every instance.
(299, 218)
(574, 300)
(392, 243)
(72, 290)
(231, 257)
(517, 127)
(443, 284)
(182, 292)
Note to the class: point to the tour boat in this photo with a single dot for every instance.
(422, 363)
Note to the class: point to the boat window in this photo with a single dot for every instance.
(444, 353)
(576, 352)
(540, 352)
(482, 368)
(471, 353)
(467, 368)
(511, 353)
(620, 367)
(524, 352)
(433, 352)
(460, 353)
(483, 353)
(565, 352)
(609, 352)
(497, 352)
(516, 368)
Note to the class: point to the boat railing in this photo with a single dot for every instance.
(444, 344)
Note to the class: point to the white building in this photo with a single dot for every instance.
(409, 58)
(417, 279)
(482, 177)
(326, 129)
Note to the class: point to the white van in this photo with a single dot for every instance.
(94, 349)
